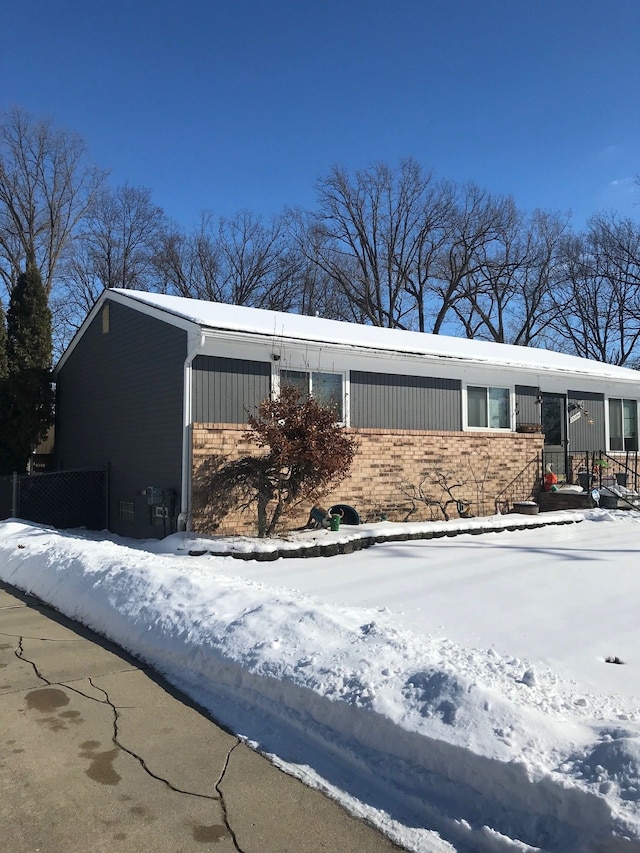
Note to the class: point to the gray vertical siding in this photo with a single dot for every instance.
(583, 435)
(528, 411)
(385, 401)
(119, 403)
(227, 390)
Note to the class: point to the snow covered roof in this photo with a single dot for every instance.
(297, 327)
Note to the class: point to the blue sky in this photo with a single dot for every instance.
(244, 104)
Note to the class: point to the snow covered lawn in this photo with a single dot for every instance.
(453, 691)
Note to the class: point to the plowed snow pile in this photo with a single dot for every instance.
(455, 692)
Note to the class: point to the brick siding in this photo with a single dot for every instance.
(386, 461)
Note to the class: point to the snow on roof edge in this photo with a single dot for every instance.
(236, 318)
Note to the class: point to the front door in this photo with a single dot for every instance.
(554, 427)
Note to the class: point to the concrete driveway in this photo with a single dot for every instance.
(98, 754)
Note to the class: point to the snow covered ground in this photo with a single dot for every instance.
(454, 692)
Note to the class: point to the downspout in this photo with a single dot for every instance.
(567, 441)
(196, 345)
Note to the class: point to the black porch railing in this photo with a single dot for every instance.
(594, 468)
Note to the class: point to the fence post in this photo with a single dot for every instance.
(14, 495)
(107, 495)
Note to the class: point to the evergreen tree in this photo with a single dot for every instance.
(26, 396)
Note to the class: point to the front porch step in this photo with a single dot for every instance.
(552, 501)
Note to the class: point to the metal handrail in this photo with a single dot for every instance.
(536, 461)
(624, 466)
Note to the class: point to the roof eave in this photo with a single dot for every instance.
(219, 332)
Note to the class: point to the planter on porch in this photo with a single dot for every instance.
(530, 428)
(585, 479)
(526, 507)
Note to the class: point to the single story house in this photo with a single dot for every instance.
(152, 385)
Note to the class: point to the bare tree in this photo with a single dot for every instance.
(410, 252)
(119, 236)
(317, 294)
(538, 280)
(506, 296)
(371, 223)
(189, 264)
(478, 221)
(114, 246)
(598, 297)
(72, 299)
(241, 260)
(435, 489)
(258, 263)
(434, 232)
(46, 187)
(585, 313)
(318, 290)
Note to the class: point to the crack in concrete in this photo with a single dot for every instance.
(42, 639)
(223, 803)
(19, 652)
(139, 758)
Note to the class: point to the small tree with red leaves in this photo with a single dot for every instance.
(306, 453)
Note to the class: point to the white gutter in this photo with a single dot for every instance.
(195, 346)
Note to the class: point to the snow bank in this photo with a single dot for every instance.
(416, 733)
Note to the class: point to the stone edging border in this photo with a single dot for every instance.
(334, 549)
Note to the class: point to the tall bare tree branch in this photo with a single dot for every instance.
(46, 187)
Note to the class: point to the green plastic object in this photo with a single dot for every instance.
(335, 522)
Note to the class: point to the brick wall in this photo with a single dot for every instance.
(387, 463)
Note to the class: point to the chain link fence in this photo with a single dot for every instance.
(62, 498)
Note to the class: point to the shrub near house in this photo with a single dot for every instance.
(304, 453)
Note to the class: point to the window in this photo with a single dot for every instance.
(488, 408)
(623, 425)
(295, 379)
(325, 388)
(127, 510)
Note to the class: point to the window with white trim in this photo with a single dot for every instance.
(623, 424)
(325, 388)
(488, 408)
